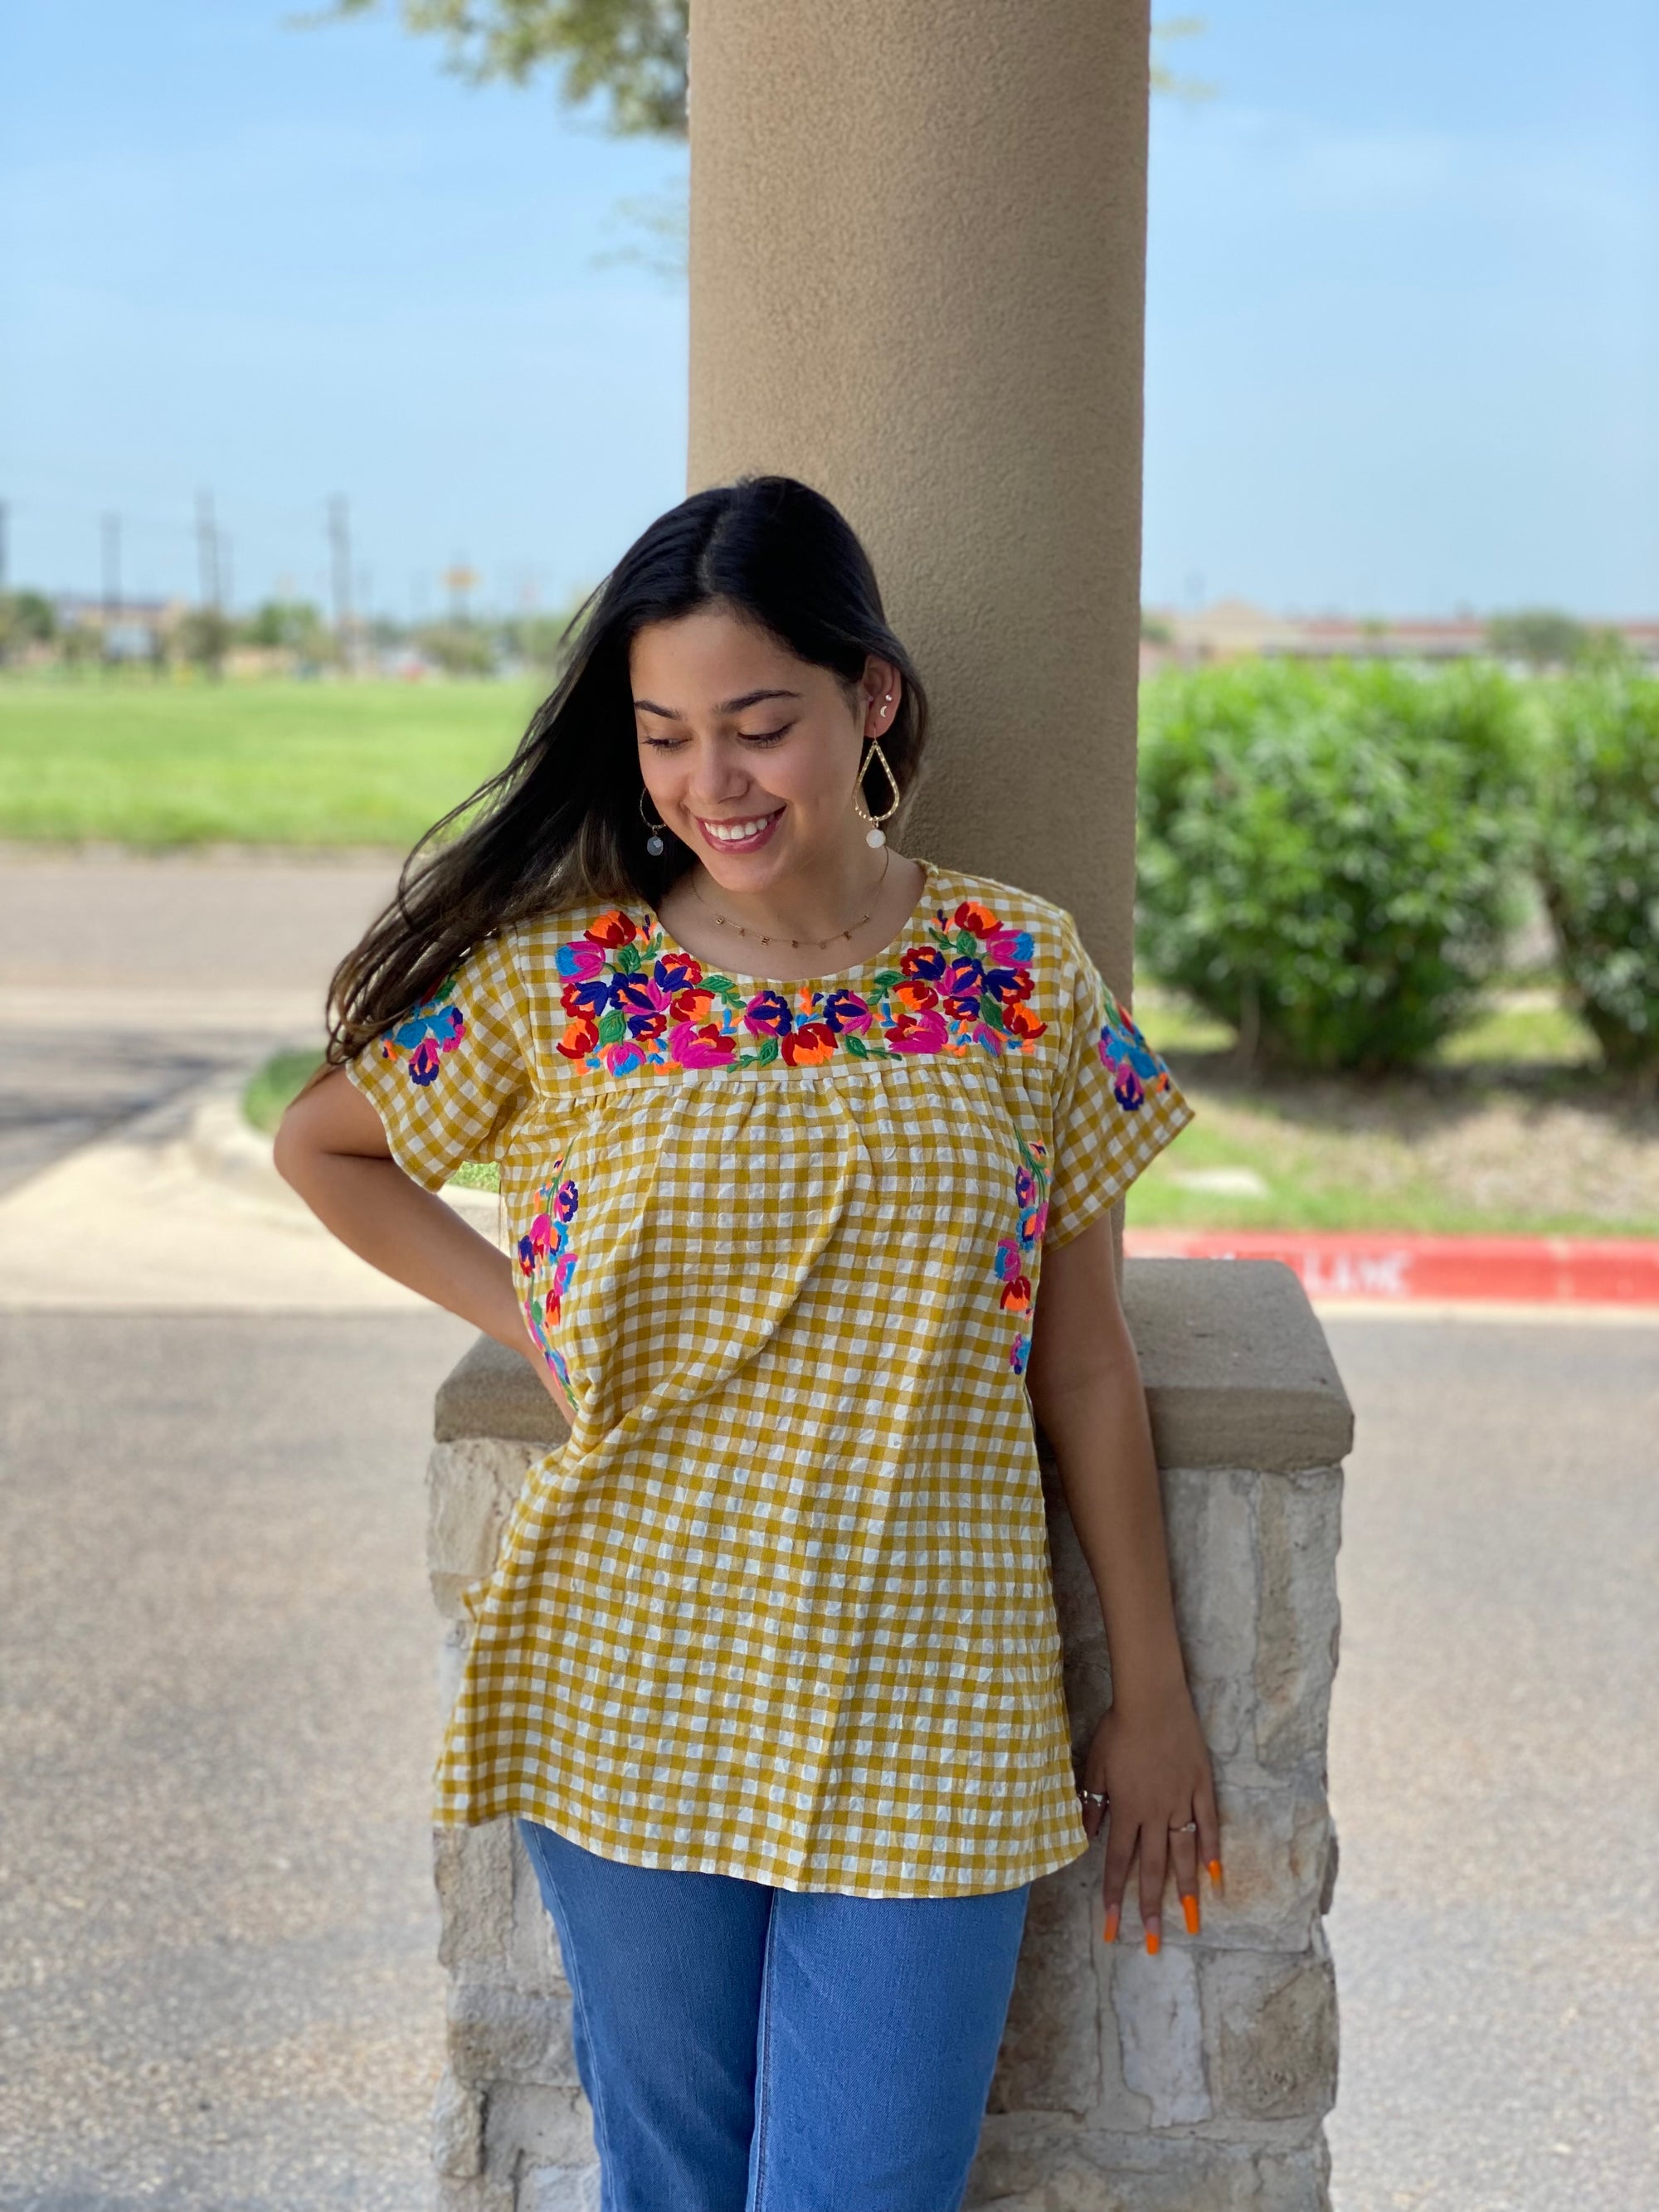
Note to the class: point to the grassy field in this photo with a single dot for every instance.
(144, 762)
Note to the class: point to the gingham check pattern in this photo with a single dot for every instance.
(780, 1606)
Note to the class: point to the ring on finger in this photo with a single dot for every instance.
(1182, 1827)
(1094, 1796)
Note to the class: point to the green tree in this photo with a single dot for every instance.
(203, 637)
(632, 51)
(1541, 636)
(26, 618)
(291, 625)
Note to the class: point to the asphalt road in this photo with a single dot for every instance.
(218, 1983)
(128, 980)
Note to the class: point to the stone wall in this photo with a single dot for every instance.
(1193, 2082)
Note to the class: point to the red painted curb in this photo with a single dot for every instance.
(1533, 1270)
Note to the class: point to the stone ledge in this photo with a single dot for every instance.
(1237, 1369)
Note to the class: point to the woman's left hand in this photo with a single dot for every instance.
(1153, 1766)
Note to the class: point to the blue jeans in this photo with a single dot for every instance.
(747, 2049)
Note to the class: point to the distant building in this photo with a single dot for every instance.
(132, 629)
(1234, 629)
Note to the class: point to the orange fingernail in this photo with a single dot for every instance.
(1110, 1934)
(1189, 1906)
(1215, 1871)
(1153, 1938)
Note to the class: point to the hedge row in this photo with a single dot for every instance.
(1334, 858)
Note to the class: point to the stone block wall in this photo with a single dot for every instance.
(1193, 2082)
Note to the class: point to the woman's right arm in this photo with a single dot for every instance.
(331, 1148)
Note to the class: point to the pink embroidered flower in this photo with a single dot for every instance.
(622, 1057)
(922, 1032)
(581, 957)
(768, 1014)
(1008, 948)
(701, 1047)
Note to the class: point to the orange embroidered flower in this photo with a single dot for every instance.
(580, 1038)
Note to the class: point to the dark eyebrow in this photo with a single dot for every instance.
(725, 707)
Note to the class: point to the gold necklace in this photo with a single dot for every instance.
(819, 944)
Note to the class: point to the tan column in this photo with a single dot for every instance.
(917, 276)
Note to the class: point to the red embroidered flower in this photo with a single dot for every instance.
(808, 1043)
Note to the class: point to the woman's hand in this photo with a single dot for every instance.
(1152, 1764)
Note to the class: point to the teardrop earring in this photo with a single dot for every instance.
(875, 834)
(653, 843)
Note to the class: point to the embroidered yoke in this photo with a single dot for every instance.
(780, 1606)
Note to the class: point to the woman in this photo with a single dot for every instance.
(789, 1125)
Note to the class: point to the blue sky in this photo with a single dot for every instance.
(1403, 344)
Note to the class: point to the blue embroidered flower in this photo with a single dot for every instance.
(424, 1035)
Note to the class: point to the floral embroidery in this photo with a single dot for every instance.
(1136, 1071)
(425, 1034)
(547, 1263)
(633, 1001)
(1014, 1253)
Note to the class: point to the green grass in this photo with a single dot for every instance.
(267, 1094)
(148, 761)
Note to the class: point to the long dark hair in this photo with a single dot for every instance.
(561, 822)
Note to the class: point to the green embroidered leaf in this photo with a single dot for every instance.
(722, 987)
(989, 1012)
(855, 1044)
(887, 978)
(966, 941)
(769, 1051)
(628, 960)
(613, 1027)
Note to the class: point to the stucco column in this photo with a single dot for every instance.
(918, 248)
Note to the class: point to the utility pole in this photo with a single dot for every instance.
(339, 545)
(5, 517)
(206, 550)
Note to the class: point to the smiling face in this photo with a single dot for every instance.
(749, 755)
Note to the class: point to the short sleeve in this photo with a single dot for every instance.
(449, 1079)
(1115, 1105)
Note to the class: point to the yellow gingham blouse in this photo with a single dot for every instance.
(780, 1607)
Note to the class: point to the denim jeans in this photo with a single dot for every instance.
(747, 2049)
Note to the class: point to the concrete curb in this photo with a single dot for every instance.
(224, 1146)
(1389, 1268)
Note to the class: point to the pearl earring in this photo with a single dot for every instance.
(653, 843)
(875, 834)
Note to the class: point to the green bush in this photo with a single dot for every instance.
(1598, 857)
(1329, 856)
